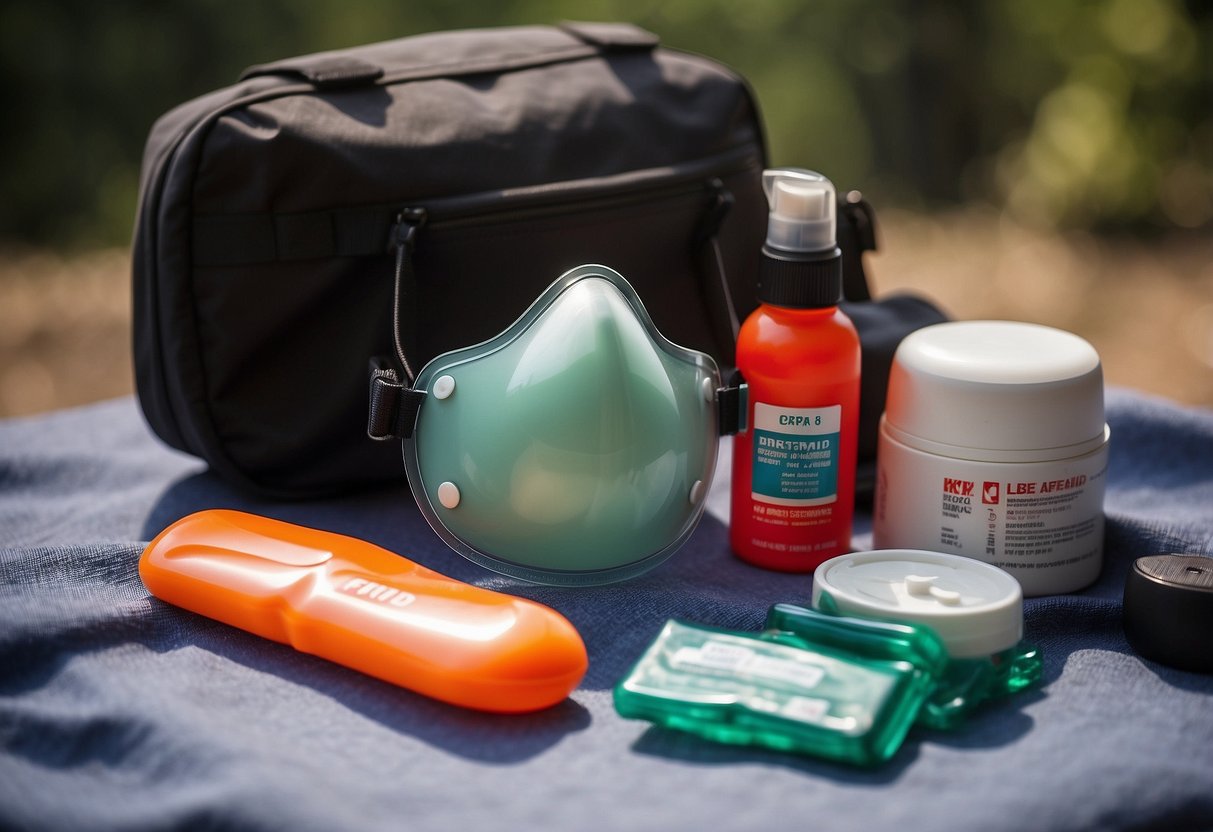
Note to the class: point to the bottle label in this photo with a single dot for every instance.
(795, 454)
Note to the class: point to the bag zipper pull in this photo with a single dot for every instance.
(721, 203)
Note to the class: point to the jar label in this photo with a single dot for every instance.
(795, 452)
(1040, 521)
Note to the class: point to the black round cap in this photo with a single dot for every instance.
(1168, 610)
(801, 281)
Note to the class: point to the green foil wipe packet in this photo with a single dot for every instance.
(837, 688)
(963, 684)
(968, 683)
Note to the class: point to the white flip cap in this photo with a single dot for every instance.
(999, 391)
(976, 608)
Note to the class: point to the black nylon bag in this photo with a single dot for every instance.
(263, 266)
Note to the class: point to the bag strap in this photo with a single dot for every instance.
(713, 280)
(856, 235)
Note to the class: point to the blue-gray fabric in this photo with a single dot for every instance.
(118, 711)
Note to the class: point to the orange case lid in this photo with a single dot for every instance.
(364, 607)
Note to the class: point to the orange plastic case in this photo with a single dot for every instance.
(364, 607)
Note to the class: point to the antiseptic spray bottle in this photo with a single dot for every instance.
(794, 465)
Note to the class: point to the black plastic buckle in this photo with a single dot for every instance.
(733, 405)
(393, 405)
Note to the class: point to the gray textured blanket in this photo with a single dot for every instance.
(118, 711)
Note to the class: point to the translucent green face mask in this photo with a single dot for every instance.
(576, 447)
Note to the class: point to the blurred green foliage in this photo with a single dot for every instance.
(1092, 113)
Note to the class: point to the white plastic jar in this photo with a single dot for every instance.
(993, 445)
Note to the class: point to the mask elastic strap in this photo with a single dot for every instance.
(394, 403)
(404, 235)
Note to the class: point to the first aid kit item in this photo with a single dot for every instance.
(576, 447)
(975, 608)
(1168, 610)
(839, 688)
(794, 465)
(364, 607)
(994, 446)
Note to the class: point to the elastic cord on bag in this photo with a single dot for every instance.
(404, 235)
(394, 403)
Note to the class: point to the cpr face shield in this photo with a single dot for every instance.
(576, 447)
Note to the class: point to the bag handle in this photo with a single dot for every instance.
(611, 36)
(856, 235)
(323, 73)
(331, 70)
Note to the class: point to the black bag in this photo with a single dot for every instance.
(263, 258)
(272, 212)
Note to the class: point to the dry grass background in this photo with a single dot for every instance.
(1147, 307)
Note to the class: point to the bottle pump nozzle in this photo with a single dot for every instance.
(801, 264)
(803, 210)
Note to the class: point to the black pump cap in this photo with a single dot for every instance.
(1168, 610)
(800, 280)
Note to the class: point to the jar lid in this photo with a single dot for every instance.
(976, 608)
(996, 386)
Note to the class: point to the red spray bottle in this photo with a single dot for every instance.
(794, 465)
